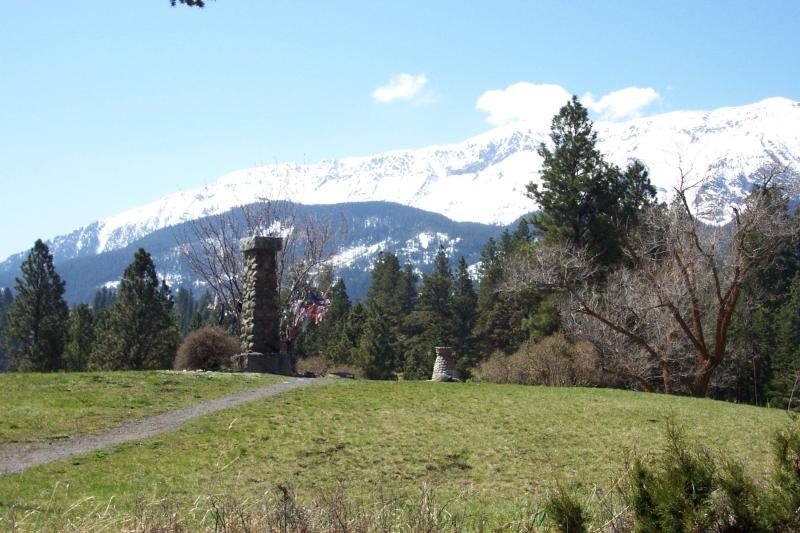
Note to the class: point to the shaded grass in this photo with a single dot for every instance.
(498, 446)
(42, 407)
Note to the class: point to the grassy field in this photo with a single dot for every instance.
(42, 407)
(500, 447)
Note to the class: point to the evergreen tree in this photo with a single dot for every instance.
(542, 317)
(202, 315)
(493, 328)
(409, 293)
(506, 319)
(431, 324)
(81, 333)
(436, 299)
(584, 200)
(37, 319)
(785, 360)
(103, 298)
(522, 236)
(141, 330)
(506, 244)
(6, 299)
(491, 272)
(332, 327)
(377, 354)
(534, 310)
(387, 305)
(764, 372)
(388, 292)
(185, 308)
(343, 351)
(465, 301)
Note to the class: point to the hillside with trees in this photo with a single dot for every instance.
(603, 286)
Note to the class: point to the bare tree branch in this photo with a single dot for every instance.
(664, 318)
(211, 248)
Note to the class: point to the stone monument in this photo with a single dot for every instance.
(260, 315)
(444, 369)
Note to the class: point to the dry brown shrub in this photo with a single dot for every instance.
(208, 348)
(495, 369)
(321, 365)
(318, 364)
(553, 361)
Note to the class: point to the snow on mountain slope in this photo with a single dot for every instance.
(724, 148)
(483, 179)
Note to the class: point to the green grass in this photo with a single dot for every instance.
(43, 407)
(503, 446)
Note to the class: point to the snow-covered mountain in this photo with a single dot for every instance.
(363, 230)
(483, 178)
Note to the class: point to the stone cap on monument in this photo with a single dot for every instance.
(249, 244)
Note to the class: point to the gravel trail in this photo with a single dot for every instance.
(18, 458)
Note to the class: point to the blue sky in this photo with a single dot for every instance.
(105, 105)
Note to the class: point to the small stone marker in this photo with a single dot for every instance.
(444, 369)
(260, 316)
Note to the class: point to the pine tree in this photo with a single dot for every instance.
(349, 336)
(493, 328)
(436, 299)
(506, 319)
(377, 354)
(141, 330)
(386, 305)
(184, 306)
(81, 333)
(431, 324)
(764, 372)
(465, 301)
(537, 309)
(202, 315)
(522, 235)
(37, 320)
(103, 298)
(331, 328)
(409, 293)
(584, 200)
(387, 292)
(785, 360)
(6, 299)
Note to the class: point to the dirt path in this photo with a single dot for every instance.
(18, 458)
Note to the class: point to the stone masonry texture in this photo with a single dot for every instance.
(444, 369)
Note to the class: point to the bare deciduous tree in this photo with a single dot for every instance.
(210, 248)
(662, 321)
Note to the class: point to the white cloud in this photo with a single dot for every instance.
(531, 102)
(401, 87)
(538, 103)
(622, 104)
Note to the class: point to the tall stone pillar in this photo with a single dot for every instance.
(260, 315)
(444, 368)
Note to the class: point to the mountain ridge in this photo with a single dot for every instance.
(371, 227)
(482, 179)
